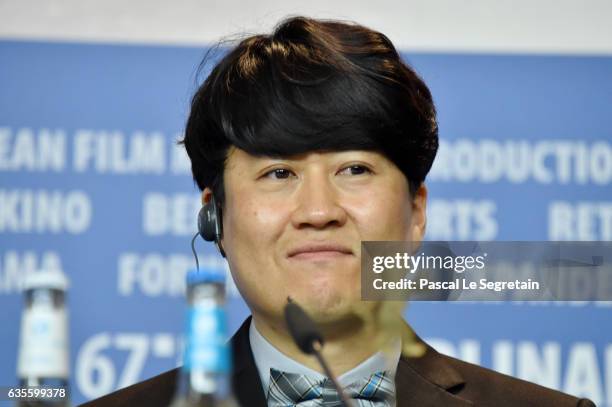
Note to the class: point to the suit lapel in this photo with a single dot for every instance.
(428, 380)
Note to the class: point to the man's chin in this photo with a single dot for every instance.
(328, 311)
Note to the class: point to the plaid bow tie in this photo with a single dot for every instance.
(292, 389)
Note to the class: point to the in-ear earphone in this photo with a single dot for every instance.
(209, 223)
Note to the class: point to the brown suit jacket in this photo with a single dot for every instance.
(430, 380)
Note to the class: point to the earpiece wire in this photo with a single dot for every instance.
(195, 255)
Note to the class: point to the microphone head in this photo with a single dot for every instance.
(302, 328)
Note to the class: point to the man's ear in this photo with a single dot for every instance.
(206, 196)
(419, 214)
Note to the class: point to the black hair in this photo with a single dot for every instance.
(311, 85)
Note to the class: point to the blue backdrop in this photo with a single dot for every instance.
(91, 181)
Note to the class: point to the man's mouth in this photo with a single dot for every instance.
(319, 251)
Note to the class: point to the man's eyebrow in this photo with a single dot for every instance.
(255, 163)
(263, 159)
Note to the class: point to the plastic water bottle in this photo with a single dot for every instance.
(43, 357)
(204, 379)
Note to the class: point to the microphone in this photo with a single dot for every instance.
(307, 337)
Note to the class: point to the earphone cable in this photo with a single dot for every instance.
(195, 255)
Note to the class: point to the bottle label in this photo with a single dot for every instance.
(206, 348)
(43, 349)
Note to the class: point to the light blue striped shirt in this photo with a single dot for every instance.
(267, 356)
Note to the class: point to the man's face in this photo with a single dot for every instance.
(293, 227)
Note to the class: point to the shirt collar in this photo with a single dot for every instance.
(267, 356)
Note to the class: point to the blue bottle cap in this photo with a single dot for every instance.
(206, 275)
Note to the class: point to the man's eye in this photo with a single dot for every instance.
(278, 173)
(355, 170)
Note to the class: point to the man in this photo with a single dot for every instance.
(311, 140)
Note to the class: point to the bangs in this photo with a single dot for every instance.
(286, 118)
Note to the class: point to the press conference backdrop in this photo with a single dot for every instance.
(92, 182)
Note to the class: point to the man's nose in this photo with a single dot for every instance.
(318, 205)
